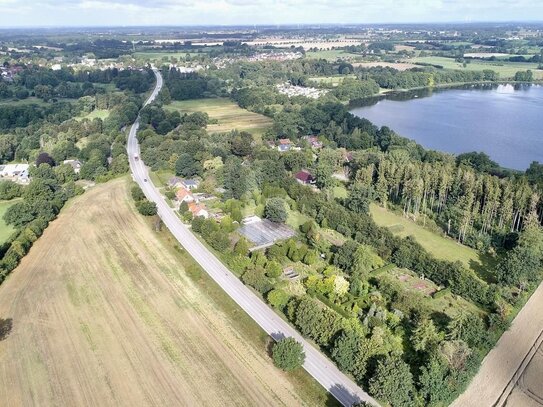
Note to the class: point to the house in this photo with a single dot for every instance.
(314, 142)
(184, 195)
(175, 182)
(304, 177)
(75, 164)
(284, 145)
(198, 210)
(190, 184)
(16, 172)
(13, 170)
(347, 156)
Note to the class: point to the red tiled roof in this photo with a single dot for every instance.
(182, 193)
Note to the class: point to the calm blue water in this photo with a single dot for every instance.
(504, 122)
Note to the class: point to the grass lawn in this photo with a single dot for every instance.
(506, 70)
(20, 102)
(95, 114)
(331, 80)
(440, 246)
(296, 219)
(449, 304)
(160, 178)
(229, 116)
(340, 192)
(5, 230)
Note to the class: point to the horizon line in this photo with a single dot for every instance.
(246, 25)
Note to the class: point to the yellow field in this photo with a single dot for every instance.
(229, 116)
(106, 313)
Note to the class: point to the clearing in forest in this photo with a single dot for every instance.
(227, 114)
(440, 246)
(107, 312)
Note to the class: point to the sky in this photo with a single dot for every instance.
(40, 13)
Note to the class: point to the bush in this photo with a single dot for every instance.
(273, 269)
(275, 210)
(10, 190)
(241, 247)
(278, 298)
(393, 382)
(137, 193)
(146, 208)
(256, 278)
(219, 241)
(288, 354)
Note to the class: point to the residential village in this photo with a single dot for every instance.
(293, 90)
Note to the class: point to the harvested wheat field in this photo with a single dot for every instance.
(104, 314)
(511, 374)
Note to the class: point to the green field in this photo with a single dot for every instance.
(506, 70)
(440, 246)
(5, 230)
(95, 114)
(19, 102)
(331, 80)
(229, 116)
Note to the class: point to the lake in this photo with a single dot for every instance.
(503, 121)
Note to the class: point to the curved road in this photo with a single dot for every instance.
(316, 364)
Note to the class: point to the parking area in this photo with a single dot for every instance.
(264, 233)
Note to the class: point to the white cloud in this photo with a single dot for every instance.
(217, 12)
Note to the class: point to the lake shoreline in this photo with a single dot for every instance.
(352, 104)
(498, 118)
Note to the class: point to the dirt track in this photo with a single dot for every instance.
(103, 315)
(512, 373)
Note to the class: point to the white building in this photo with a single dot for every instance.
(16, 172)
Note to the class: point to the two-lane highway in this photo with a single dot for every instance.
(316, 364)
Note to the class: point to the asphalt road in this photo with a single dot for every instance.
(316, 364)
